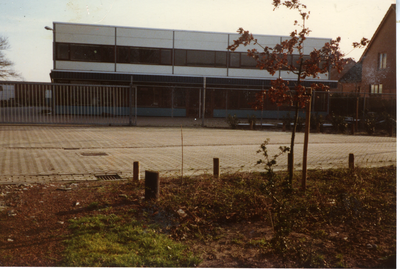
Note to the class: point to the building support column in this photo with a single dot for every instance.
(172, 102)
(131, 102)
(136, 89)
(204, 101)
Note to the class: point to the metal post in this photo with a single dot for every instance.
(199, 103)
(204, 101)
(226, 104)
(327, 108)
(262, 107)
(130, 102)
(363, 120)
(172, 102)
(357, 113)
(135, 105)
(313, 104)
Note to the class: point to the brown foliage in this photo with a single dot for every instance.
(273, 59)
(364, 42)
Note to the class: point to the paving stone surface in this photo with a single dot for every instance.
(45, 153)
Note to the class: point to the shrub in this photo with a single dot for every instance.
(287, 120)
(339, 124)
(252, 121)
(316, 122)
(232, 121)
(370, 124)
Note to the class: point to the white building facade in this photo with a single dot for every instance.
(161, 62)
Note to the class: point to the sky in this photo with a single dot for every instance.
(23, 22)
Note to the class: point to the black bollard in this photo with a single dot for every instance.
(152, 185)
(136, 171)
(351, 161)
(216, 167)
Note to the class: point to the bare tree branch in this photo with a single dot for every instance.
(6, 66)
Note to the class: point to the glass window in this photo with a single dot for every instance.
(382, 60)
(123, 55)
(106, 54)
(372, 89)
(200, 58)
(91, 53)
(145, 56)
(247, 61)
(166, 57)
(62, 51)
(180, 57)
(80, 53)
(376, 88)
(220, 58)
(234, 59)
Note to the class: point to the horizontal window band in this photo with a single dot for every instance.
(157, 56)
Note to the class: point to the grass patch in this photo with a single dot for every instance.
(112, 241)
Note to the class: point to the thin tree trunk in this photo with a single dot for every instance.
(291, 156)
(296, 118)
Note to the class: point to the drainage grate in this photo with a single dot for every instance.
(94, 154)
(108, 177)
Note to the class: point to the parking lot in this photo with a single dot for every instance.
(45, 153)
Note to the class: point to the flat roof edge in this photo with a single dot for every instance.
(180, 30)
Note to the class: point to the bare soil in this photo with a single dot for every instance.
(34, 224)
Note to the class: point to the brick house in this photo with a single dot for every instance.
(375, 73)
